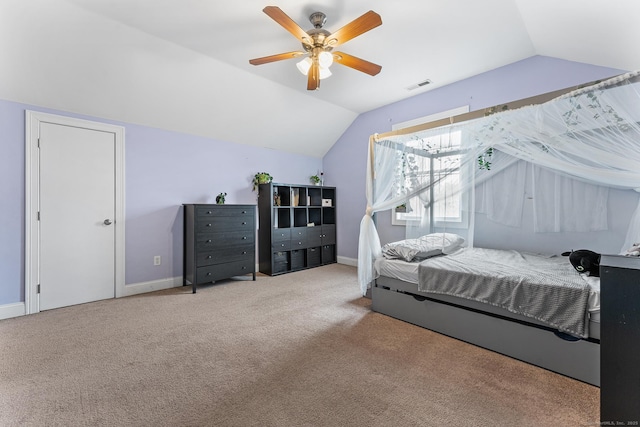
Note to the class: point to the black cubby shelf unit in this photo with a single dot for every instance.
(297, 227)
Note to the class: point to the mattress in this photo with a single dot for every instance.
(408, 272)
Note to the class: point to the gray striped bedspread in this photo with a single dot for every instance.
(544, 288)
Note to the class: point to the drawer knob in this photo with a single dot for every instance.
(244, 268)
(244, 223)
(299, 243)
(244, 237)
(208, 274)
(209, 241)
(209, 212)
(208, 225)
(244, 212)
(244, 252)
(209, 257)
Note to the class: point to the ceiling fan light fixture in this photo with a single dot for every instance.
(325, 59)
(324, 73)
(304, 65)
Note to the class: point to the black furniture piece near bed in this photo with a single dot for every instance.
(491, 327)
(620, 354)
(297, 227)
(219, 242)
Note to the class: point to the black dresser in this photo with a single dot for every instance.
(619, 341)
(219, 242)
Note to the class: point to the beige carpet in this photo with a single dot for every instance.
(301, 349)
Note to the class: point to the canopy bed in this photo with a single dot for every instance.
(534, 307)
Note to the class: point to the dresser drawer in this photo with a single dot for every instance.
(281, 246)
(224, 271)
(218, 211)
(280, 234)
(207, 241)
(226, 254)
(224, 223)
(298, 244)
(299, 233)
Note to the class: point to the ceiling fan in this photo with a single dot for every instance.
(319, 43)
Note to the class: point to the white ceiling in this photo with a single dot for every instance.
(440, 40)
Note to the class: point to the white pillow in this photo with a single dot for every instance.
(423, 247)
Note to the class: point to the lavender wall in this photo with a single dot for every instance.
(163, 170)
(345, 164)
(11, 203)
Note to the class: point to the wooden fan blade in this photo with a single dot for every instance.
(273, 58)
(360, 25)
(313, 81)
(357, 63)
(289, 24)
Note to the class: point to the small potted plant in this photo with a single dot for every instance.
(261, 178)
(220, 198)
(315, 179)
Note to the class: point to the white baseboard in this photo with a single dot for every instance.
(12, 310)
(347, 261)
(154, 285)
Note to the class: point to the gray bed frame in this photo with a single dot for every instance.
(492, 328)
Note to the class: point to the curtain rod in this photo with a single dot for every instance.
(533, 100)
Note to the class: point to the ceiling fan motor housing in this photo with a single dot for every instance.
(318, 19)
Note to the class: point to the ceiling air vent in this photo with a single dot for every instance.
(419, 85)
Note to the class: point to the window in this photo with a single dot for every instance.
(442, 164)
(432, 160)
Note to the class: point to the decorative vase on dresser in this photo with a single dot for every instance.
(297, 227)
(219, 242)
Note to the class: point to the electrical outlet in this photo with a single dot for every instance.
(157, 260)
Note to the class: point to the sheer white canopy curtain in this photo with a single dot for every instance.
(578, 144)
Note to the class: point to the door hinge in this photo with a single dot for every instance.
(38, 289)
(38, 215)
(38, 142)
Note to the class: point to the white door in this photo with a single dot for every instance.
(77, 215)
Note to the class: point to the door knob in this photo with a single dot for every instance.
(107, 222)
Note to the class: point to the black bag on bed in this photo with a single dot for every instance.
(585, 261)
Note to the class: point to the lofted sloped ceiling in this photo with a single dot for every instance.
(184, 64)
